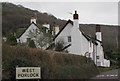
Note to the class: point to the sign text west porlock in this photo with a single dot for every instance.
(28, 73)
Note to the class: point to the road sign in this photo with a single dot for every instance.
(28, 72)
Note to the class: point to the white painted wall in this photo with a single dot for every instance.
(94, 53)
(99, 48)
(46, 25)
(56, 29)
(99, 53)
(64, 34)
(91, 49)
(101, 61)
(106, 63)
(33, 20)
(84, 46)
(23, 38)
(76, 37)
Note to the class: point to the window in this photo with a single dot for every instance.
(97, 57)
(69, 38)
(28, 39)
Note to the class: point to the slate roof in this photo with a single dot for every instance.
(94, 40)
(20, 31)
(69, 21)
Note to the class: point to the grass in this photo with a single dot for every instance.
(102, 69)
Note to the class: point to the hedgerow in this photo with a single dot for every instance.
(54, 65)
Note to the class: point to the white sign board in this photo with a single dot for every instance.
(28, 72)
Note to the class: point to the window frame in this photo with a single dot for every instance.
(69, 38)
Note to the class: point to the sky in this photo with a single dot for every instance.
(89, 12)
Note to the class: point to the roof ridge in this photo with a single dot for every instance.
(27, 28)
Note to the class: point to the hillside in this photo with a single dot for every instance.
(17, 16)
(109, 34)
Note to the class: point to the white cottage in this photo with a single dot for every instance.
(77, 42)
(24, 37)
(25, 34)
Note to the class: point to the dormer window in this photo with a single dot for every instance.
(69, 38)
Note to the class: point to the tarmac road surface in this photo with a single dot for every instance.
(113, 74)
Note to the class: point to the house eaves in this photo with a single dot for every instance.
(69, 21)
(26, 29)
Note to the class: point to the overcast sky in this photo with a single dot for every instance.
(89, 12)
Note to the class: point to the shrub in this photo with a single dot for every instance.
(11, 39)
(18, 62)
(59, 46)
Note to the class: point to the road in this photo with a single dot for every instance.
(113, 74)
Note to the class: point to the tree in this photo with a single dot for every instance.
(31, 44)
(41, 38)
(114, 56)
(11, 39)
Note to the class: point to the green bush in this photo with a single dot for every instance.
(59, 46)
(18, 62)
(11, 39)
(114, 56)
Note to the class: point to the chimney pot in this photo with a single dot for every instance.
(98, 28)
(75, 16)
(33, 19)
(75, 12)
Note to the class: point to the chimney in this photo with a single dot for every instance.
(75, 16)
(98, 33)
(33, 20)
(76, 20)
(98, 28)
(47, 26)
(53, 29)
(56, 29)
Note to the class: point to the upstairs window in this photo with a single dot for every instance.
(69, 38)
(98, 57)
